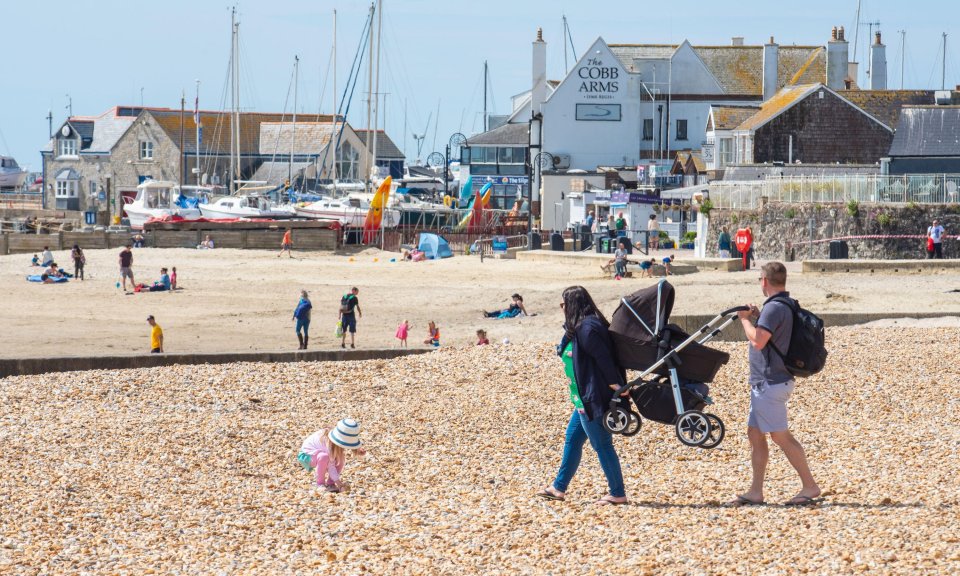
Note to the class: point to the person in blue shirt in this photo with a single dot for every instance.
(302, 316)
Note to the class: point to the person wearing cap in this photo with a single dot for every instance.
(156, 336)
(324, 452)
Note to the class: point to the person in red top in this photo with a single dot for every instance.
(286, 244)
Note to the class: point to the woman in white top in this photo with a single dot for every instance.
(653, 227)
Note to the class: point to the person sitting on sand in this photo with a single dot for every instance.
(482, 338)
(35, 261)
(619, 260)
(163, 284)
(417, 255)
(515, 309)
(324, 452)
(138, 241)
(433, 335)
(54, 271)
(46, 257)
(207, 244)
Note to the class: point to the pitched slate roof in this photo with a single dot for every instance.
(778, 104)
(729, 117)
(98, 134)
(885, 105)
(217, 126)
(517, 134)
(927, 131)
(274, 173)
(386, 149)
(302, 138)
(739, 69)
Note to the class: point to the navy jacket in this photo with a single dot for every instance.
(595, 366)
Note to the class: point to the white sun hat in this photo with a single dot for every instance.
(346, 434)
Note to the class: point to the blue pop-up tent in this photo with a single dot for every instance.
(434, 246)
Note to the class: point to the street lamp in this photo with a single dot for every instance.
(435, 159)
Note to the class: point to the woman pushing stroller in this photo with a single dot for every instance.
(588, 352)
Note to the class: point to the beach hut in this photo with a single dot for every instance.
(434, 246)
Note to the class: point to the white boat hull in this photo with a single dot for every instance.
(213, 212)
(138, 216)
(347, 216)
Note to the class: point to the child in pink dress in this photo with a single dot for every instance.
(324, 451)
(173, 279)
(402, 329)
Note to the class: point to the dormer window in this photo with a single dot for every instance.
(68, 147)
(146, 150)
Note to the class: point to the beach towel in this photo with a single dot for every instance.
(37, 278)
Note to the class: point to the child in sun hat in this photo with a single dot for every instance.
(325, 452)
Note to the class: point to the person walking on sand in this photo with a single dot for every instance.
(349, 308)
(286, 245)
(302, 315)
(78, 261)
(588, 355)
(126, 267)
(770, 388)
(156, 336)
(935, 234)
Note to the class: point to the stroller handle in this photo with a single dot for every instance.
(734, 310)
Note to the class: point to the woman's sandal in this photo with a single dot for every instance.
(609, 501)
(549, 494)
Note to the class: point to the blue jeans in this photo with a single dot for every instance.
(303, 326)
(578, 431)
(621, 266)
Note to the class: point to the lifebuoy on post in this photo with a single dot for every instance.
(743, 239)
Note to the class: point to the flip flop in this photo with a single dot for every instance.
(605, 501)
(801, 500)
(547, 495)
(742, 501)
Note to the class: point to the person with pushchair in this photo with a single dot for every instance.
(587, 350)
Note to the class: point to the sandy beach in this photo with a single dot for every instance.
(236, 300)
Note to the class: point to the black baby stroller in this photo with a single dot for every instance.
(674, 366)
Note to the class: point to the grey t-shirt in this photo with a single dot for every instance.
(766, 366)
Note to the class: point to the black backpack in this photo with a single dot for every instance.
(807, 353)
(345, 303)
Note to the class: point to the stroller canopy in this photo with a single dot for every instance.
(645, 313)
(642, 335)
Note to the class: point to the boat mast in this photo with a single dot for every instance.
(376, 106)
(233, 93)
(373, 8)
(180, 156)
(943, 73)
(293, 144)
(486, 73)
(236, 105)
(332, 142)
(196, 120)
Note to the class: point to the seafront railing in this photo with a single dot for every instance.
(916, 188)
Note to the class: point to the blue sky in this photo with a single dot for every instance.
(102, 53)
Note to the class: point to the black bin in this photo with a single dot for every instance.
(839, 250)
(586, 237)
(556, 242)
(535, 241)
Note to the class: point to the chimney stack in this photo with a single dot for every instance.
(737, 41)
(538, 88)
(838, 57)
(771, 58)
(878, 65)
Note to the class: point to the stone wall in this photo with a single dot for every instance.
(778, 227)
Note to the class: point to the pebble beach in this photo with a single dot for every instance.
(192, 469)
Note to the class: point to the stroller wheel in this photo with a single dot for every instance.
(693, 428)
(716, 432)
(634, 426)
(616, 420)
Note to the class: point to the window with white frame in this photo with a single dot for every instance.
(93, 189)
(146, 150)
(68, 147)
(66, 189)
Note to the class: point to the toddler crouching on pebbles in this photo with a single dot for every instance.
(325, 452)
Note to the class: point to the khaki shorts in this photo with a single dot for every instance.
(126, 272)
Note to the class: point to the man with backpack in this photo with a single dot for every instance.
(772, 384)
(348, 320)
